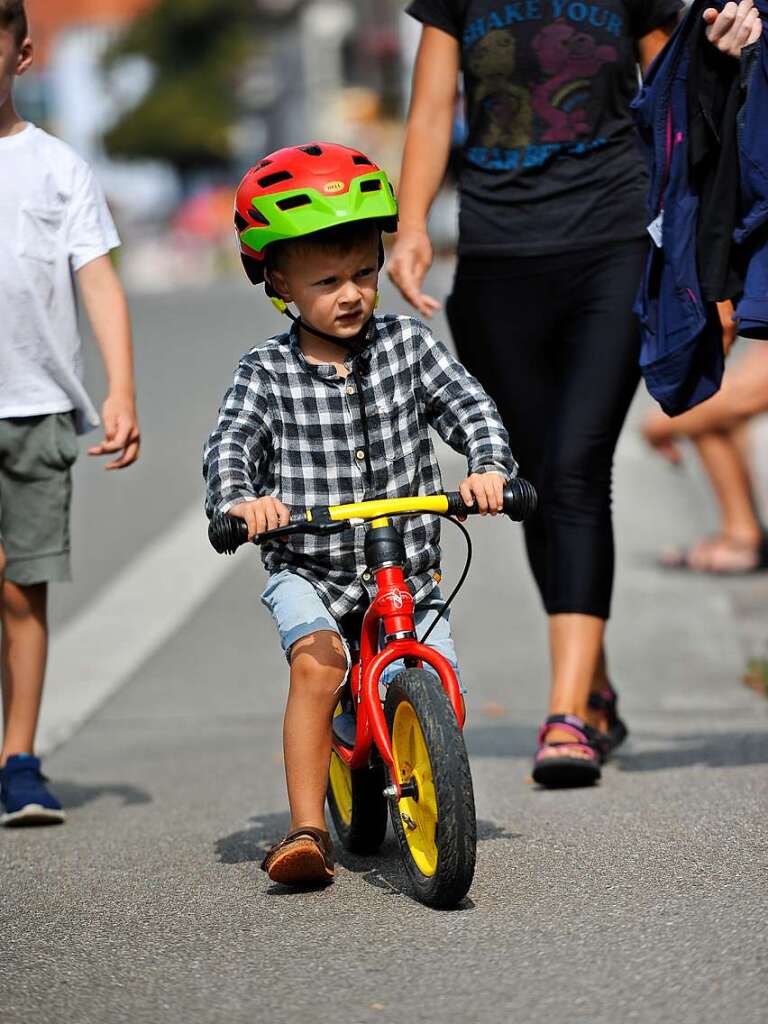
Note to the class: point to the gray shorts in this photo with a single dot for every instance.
(298, 611)
(36, 455)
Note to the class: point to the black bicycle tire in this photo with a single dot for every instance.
(457, 824)
(368, 825)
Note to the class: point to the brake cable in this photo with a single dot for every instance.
(465, 572)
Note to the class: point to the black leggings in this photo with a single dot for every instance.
(554, 341)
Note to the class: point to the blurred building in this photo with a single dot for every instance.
(331, 69)
(50, 18)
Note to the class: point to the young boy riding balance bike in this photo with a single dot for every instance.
(336, 410)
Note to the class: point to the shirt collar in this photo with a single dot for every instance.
(327, 371)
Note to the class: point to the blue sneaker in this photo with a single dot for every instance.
(24, 797)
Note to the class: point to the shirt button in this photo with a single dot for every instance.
(360, 454)
(350, 389)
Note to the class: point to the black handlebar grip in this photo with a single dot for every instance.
(227, 534)
(519, 501)
(456, 506)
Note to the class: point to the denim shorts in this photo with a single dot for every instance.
(298, 611)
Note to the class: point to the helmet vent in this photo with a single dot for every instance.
(264, 163)
(292, 202)
(362, 160)
(274, 179)
(311, 150)
(240, 222)
(258, 217)
(374, 185)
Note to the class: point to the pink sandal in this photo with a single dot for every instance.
(567, 763)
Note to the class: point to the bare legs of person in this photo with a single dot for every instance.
(23, 653)
(318, 670)
(717, 429)
(578, 669)
(582, 726)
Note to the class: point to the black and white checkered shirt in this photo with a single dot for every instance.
(293, 429)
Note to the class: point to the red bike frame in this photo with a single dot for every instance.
(393, 608)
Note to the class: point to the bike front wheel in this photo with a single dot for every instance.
(435, 821)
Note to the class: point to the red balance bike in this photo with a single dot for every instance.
(405, 749)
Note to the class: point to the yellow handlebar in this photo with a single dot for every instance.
(226, 533)
(388, 507)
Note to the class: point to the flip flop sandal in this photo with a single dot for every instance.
(679, 560)
(606, 701)
(567, 763)
(303, 857)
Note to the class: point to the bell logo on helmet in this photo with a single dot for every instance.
(333, 186)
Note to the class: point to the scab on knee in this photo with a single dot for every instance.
(319, 663)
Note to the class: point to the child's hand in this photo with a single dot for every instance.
(658, 429)
(487, 489)
(261, 515)
(121, 432)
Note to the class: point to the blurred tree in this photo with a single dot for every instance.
(197, 49)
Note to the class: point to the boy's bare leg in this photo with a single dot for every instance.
(23, 653)
(318, 669)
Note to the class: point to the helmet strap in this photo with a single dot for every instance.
(352, 344)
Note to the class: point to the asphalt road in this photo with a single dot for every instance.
(642, 900)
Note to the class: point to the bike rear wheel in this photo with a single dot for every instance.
(357, 804)
(436, 826)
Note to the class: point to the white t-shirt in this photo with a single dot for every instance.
(53, 220)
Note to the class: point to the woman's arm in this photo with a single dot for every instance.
(425, 158)
(651, 45)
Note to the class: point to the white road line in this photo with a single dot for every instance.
(124, 624)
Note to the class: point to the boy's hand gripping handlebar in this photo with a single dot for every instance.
(227, 533)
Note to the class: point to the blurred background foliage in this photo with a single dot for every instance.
(172, 100)
(196, 50)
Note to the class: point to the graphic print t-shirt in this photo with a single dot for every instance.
(552, 161)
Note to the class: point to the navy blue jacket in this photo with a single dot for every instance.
(752, 232)
(681, 355)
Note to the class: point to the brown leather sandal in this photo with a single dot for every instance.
(303, 857)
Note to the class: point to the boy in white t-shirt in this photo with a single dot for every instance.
(54, 227)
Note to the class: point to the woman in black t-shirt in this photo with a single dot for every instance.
(551, 243)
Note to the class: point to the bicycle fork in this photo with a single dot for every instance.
(393, 608)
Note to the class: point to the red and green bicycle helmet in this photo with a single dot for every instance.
(303, 189)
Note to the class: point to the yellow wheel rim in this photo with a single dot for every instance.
(341, 783)
(418, 817)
